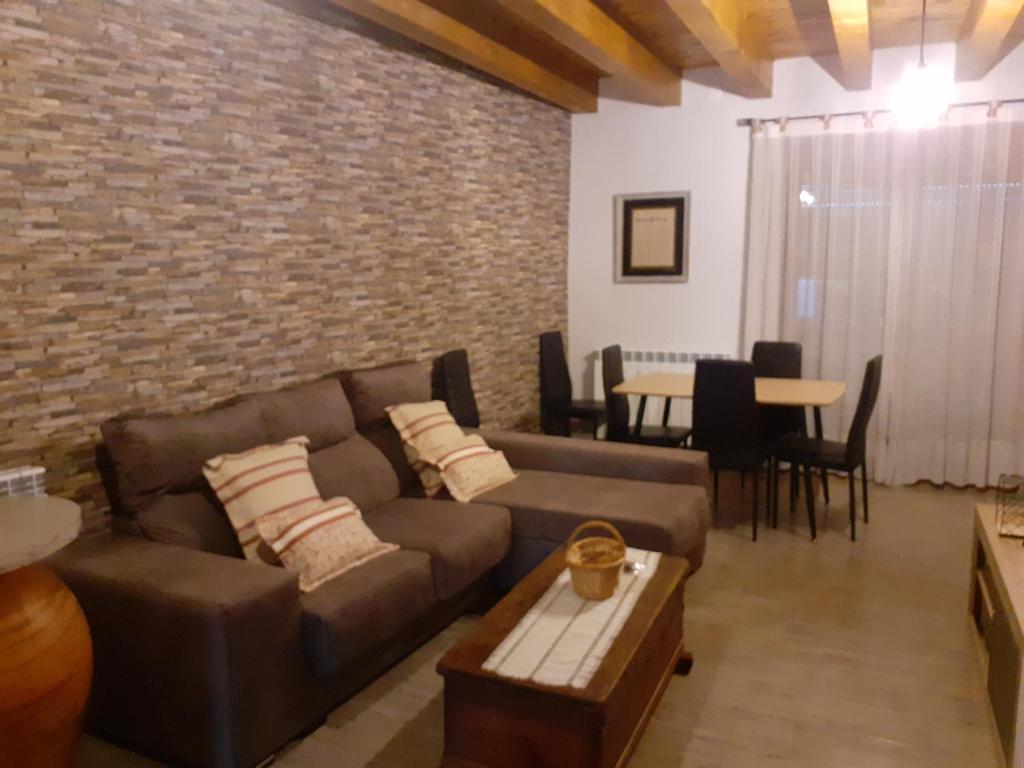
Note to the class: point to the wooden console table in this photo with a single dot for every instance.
(997, 608)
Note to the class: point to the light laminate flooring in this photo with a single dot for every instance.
(829, 654)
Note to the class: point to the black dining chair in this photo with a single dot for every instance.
(840, 456)
(780, 360)
(617, 407)
(557, 407)
(453, 384)
(725, 422)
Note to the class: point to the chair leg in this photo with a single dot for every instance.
(809, 490)
(757, 474)
(716, 488)
(853, 507)
(824, 484)
(775, 492)
(794, 487)
(864, 489)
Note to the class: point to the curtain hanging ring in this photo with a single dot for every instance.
(783, 122)
(756, 126)
(826, 121)
(869, 119)
(993, 108)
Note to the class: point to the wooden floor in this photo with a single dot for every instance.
(821, 655)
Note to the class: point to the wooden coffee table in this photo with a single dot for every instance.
(499, 722)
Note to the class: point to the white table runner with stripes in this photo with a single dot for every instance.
(563, 638)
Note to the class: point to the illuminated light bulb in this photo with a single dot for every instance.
(806, 197)
(922, 96)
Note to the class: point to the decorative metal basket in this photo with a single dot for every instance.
(1010, 506)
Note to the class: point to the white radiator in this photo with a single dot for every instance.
(23, 481)
(638, 362)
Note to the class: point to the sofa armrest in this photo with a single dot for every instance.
(601, 458)
(186, 645)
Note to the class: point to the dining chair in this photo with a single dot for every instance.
(452, 383)
(557, 407)
(780, 360)
(840, 456)
(617, 408)
(725, 422)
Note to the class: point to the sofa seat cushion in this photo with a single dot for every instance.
(665, 517)
(348, 617)
(464, 540)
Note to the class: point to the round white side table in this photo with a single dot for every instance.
(45, 647)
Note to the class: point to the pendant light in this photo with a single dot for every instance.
(924, 93)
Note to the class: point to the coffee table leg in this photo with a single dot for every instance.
(684, 663)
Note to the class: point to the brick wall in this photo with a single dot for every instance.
(204, 197)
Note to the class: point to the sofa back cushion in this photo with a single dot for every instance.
(153, 456)
(157, 461)
(194, 520)
(357, 469)
(317, 409)
(371, 391)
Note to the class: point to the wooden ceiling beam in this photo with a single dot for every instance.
(851, 22)
(419, 21)
(720, 28)
(985, 41)
(593, 35)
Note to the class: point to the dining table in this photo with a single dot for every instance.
(806, 393)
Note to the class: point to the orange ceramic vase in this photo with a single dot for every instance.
(45, 669)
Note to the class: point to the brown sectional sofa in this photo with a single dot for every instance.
(203, 659)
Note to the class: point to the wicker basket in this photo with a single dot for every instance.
(596, 561)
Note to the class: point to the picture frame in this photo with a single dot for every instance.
(652, 237)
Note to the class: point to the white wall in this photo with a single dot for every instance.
(632, 148)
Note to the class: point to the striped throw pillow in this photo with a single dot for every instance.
(262, 481)
(470, 467)
(322, 541)
(424, 427)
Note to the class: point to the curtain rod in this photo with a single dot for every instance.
(748, 121)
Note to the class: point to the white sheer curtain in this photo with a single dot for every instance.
(869, 240)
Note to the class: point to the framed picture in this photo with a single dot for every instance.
(652, 237)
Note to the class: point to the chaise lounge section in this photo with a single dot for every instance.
(204, 659)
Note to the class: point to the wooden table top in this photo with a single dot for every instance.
(798, 392)
(468, 656)
(34, 527)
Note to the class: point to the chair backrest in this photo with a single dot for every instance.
(454, 385)
(555, 384)
(616, 406)
(724, 407)
(856, 440)
(777, 359)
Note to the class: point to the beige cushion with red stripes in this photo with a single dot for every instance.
(469, 467)
(322, 541)
(264, 480)
(425, 427)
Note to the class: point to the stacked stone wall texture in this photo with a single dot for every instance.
(201, 198)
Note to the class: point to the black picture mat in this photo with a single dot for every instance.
(679, 204)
